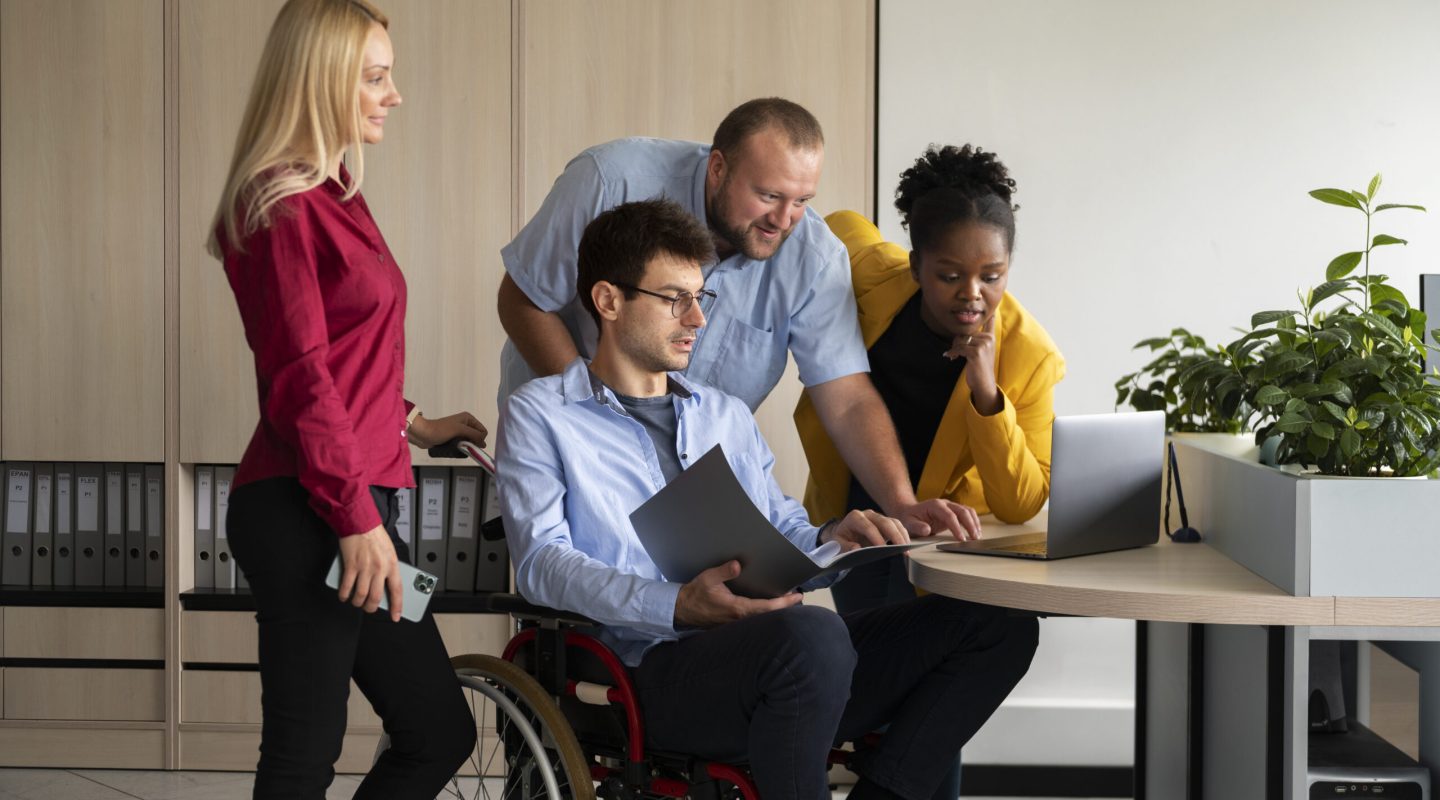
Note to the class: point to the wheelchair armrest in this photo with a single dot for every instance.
(517, 606)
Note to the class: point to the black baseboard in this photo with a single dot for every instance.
(993, 780)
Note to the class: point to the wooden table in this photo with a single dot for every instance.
(1215, 618)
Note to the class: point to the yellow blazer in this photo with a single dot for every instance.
(998, 464)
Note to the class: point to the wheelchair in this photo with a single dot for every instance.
(558, 718)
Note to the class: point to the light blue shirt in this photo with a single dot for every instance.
(798, 300)
(573, 465)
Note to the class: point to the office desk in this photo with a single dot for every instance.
(1222, 655)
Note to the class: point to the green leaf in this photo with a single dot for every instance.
(1351, 415)
(1297, 406)
(1266, 317)
(1339, 336)
(1382, 239)
(1374, 185)
(1328, 289)
(1317, 446)
(1284, 363)
(1342, 265)
(1360, 197)
(1271, 395)
(1381, 292)
(1388, 206)
(1291, 423)
(1349, 442)
(1335, 411)
(1381, 324)
(1336, 197)
(1324, 430)
(1154, 343)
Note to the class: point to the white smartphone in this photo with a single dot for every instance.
(419, 586)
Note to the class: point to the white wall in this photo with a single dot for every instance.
(1163, 152)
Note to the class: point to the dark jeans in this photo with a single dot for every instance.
(778, 689)
(881, 583)
(311, 645)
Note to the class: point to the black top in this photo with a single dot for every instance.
(915, 380)
(657, 415)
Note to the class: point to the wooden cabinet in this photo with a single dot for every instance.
(82, 223)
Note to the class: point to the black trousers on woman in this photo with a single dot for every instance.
(311, 645)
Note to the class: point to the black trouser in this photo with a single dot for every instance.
(779, 689)
(311, 645)
(876, 584)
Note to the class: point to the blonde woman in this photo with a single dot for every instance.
(323, 304)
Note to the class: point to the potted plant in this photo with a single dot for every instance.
(1339, 383)
(1338, 386)
(1168, 383)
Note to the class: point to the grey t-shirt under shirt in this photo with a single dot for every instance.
(657, 415)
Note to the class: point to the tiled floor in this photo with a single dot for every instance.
(116, 784)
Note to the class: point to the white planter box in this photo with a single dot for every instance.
(1312, 535)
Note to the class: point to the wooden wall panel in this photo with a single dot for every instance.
(82, 229)
(683, 65)
(219, 48)
(439, 186)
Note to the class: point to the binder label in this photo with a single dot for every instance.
(202, 494)
(88, 508)
(42, 503)
(63, 481)
(153, 508)
(222, 506)
(465, 491)
(114, 517)
(17, 512)
(133, 491)
(432, 516)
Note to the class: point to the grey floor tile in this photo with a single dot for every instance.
(170, 785)
(55, 784)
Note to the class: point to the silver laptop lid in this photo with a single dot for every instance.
(1105, 482)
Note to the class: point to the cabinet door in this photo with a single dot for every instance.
(440, 189)
(82, 227)
(219, 48)
(682, 67)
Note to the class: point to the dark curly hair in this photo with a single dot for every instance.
(951, 185)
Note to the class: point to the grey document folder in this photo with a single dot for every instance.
(42, 547)
(89, 535)
(1105, 474)
(64, 525)
(704, 518)
(113, 524)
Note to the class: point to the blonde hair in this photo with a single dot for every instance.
(302, 116)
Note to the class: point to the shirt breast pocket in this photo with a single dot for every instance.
(750, 364)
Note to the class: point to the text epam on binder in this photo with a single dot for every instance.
(704, 518)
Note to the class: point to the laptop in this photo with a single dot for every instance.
(1105, 476)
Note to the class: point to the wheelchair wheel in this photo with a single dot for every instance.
(525, 749)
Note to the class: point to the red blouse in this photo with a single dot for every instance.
(323, 304)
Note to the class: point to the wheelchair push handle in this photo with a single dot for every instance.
(459, 448)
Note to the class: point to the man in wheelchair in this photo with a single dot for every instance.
(773, 683)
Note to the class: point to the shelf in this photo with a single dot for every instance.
(441, 603)
(82, 597)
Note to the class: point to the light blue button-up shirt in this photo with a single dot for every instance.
(798, 300)
(573, 464)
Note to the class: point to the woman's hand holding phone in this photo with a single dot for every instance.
(371, 571)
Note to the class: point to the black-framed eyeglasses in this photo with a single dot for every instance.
(679, 304)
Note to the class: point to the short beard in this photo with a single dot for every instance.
(653, 359)
(715, 213)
